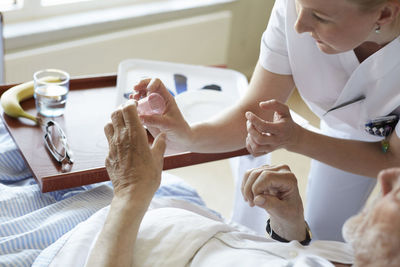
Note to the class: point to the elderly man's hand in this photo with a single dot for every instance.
(133, 167)
(274, 188)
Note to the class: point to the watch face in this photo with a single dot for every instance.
(309, 233)
(268, 228)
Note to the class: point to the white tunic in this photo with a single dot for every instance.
(325, 81)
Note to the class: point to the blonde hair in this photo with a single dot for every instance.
(369, 5)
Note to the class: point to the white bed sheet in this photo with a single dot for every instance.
(172, 234)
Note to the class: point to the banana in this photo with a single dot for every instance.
(10, 100)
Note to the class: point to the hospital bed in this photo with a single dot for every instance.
(31, 221)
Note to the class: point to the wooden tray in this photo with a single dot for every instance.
(91, 101)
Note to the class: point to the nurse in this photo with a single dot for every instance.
(344, 58)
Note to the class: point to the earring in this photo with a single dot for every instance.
(378, 28)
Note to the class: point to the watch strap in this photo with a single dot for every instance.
(276, 237)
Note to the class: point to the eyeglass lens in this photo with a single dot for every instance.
(57, 141)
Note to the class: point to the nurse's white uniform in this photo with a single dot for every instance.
(326, 81)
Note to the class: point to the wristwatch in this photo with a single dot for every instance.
(276, 237)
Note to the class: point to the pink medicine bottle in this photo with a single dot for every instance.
(152, 104)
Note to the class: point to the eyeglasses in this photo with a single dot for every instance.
(56, 142)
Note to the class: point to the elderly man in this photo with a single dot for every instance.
(178, 233)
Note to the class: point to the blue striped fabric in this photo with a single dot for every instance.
(31, 221)
(171, 187)
(12, 167)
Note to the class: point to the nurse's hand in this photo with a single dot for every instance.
(266, 136)
(171, 122)
(274, 188)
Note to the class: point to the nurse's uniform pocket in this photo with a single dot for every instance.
(353, 115)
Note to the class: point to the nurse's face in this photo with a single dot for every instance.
(375, 233)
(336, 25)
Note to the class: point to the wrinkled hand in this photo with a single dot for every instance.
(132, 165)
(266, 136)
(172, 122)
(274, 188)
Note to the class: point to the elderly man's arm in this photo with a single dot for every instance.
(135, 171)
(114, 247)
(275, 189)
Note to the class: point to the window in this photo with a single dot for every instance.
(58, 2)
(24, 10)
(30, 24)
(6, 5)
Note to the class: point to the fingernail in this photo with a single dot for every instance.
(131, 102)
(259, 200)
(247, 115)
(398, 195)
(265, 102)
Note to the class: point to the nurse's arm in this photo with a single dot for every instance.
(363, 158)
(227, 131)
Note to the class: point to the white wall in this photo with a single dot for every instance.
(228, 34)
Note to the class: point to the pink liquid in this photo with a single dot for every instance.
(152, 104)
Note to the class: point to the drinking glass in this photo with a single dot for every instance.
(51, 90)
